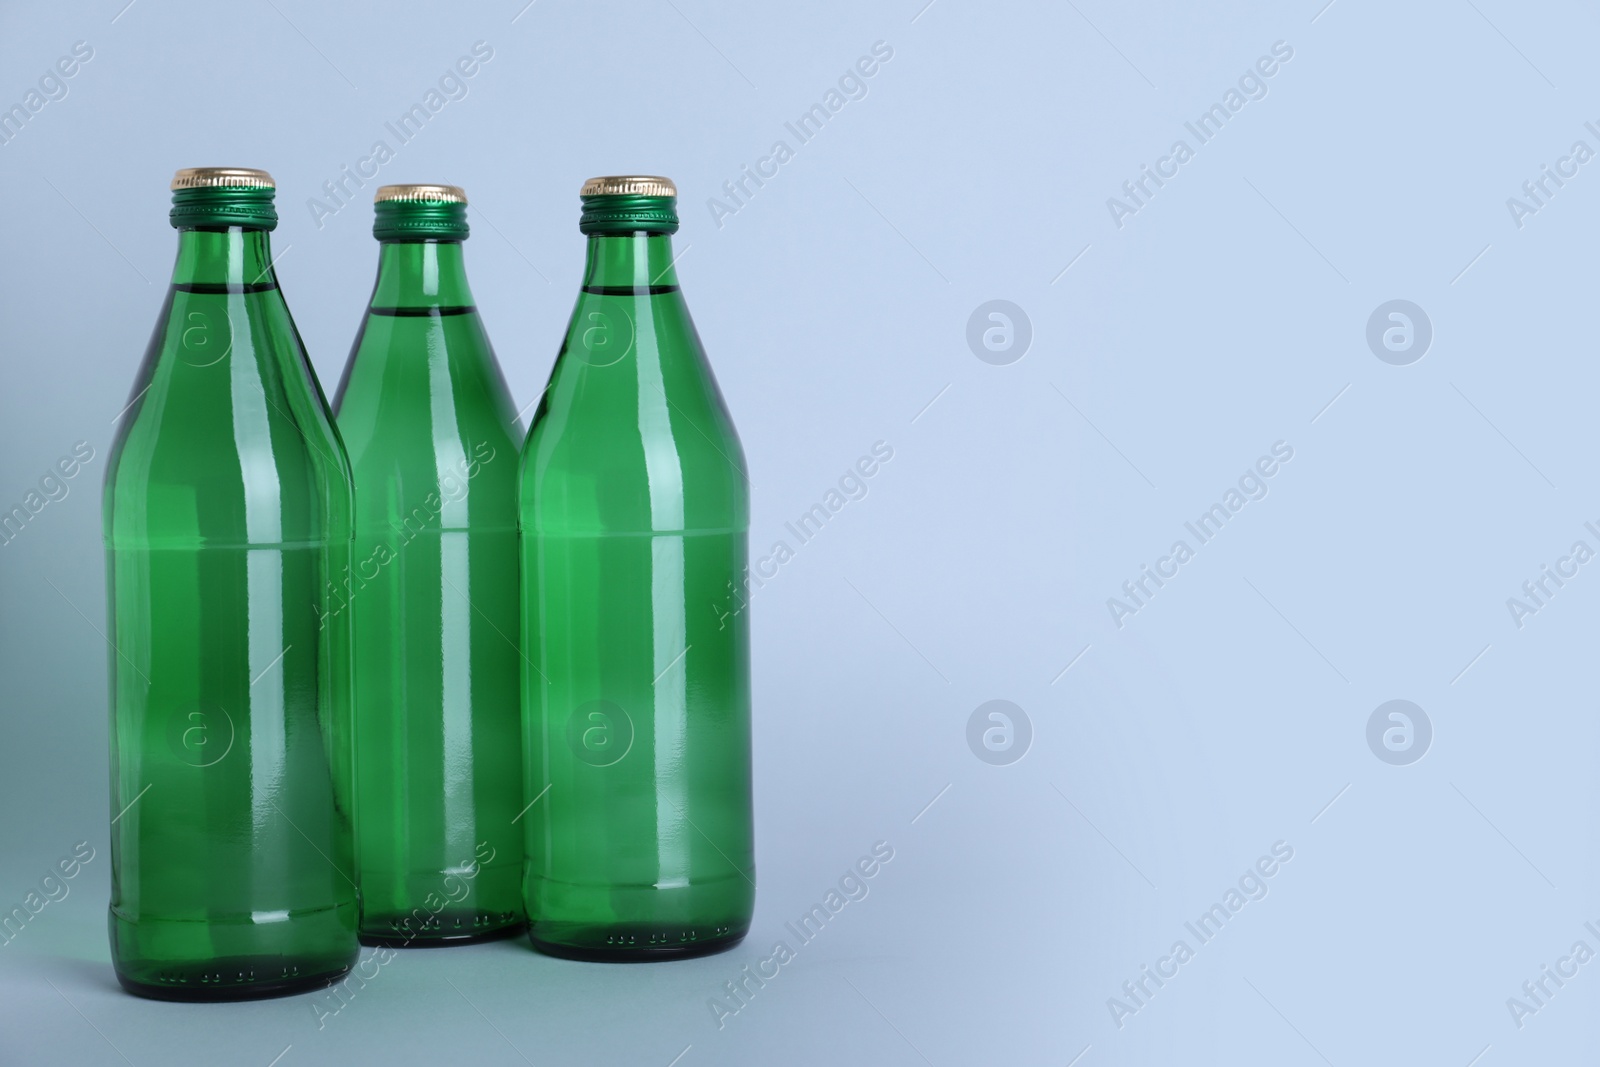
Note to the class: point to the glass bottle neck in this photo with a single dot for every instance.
(421, 274)
(235, 257)
(638, 263)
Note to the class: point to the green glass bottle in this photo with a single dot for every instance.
(227, 517)
(636, 691)
(433, 440)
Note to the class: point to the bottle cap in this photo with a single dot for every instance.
(625, 204)
(221, 177)
(629, 185)
(447, 194)
(223, 197)
(420, 213)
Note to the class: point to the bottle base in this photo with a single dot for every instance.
(389, 939)
(624, 943)
(233, 959)
(229, 979)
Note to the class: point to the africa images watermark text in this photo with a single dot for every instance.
(1252, 485)
(1252, 85)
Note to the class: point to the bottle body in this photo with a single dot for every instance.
(227, 518)
(634, 520)
(433, 440)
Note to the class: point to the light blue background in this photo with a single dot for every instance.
(1223, 317)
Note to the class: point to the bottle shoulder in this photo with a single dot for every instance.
(632, 433)
(394, 347)
(653, 465)
(226, 437)
(631, 369)
(575, 431)
(243, 498)
(423, 382)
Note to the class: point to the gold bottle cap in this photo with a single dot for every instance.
(448, 194)
(629, 185)
(217, 177)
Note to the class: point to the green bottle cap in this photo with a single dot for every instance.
(420, 212)
(223, 196)
(629, 203)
